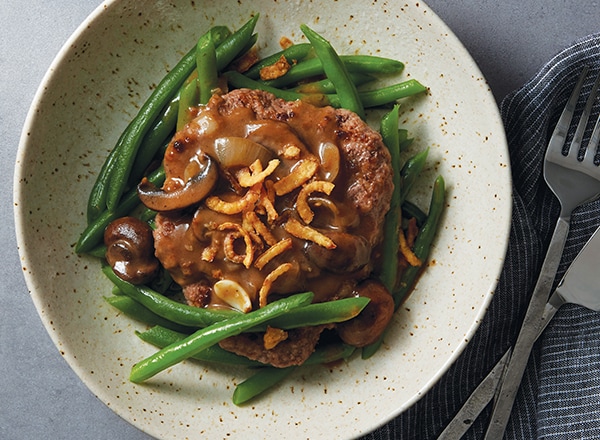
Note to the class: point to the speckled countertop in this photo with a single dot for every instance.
(41, 396)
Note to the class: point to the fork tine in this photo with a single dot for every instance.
(559, 135)
(594, 141)
(585, 116)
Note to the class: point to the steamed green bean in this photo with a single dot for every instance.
(209, 336)
(336, 71)
(168, 308)
(162, 337)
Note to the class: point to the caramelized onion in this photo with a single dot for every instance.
(233, 151)
(329, 155)
(195, 189)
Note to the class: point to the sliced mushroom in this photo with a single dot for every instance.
(130, 250)
(194, 190)
(352, 252)
(368, 326)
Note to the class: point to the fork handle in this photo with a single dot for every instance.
(529, 332)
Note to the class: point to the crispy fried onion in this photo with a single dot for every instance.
(244, 203)
(298, 230)
(291, 152)
(411, 231)
(253, 224)
(276, 249)
(237, 232)
(406, 251)
(273, 336)
(254, 174)
(275, 70)
(300, 174)
(265, 289)
(266, 202)
(302, 205)
(252, 234)
(210, 252)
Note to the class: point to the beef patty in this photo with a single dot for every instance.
(299, 204)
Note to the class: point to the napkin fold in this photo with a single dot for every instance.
(560, 394)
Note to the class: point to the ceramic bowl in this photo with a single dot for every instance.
(92, 90)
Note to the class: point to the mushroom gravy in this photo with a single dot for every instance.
(298, 205)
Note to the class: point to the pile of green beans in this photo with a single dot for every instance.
(404, 177)
(318, 75)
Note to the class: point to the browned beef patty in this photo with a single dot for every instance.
(329, 253)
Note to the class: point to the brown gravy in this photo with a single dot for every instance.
(327, 254)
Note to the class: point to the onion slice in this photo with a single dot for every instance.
(195, 189)
(233, 151)
(329, 154)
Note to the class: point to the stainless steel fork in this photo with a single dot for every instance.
(575, 179)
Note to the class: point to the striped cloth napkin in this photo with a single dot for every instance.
(559, 397)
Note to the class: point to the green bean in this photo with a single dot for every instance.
(384, 95)
(188, 98)
(93, 234)
(132, 136)
(319, 313)
(313, 67)
(147, 215)
(247, 48)
(163, 283)
(136, 311)
(211, 335)
(421, 250)
(336, 71)
(167, 308)
(405, 141)
(96, 204)
(259, 382)
(389, 260)
(206, 65)
(409, 210)
(154, 140)
(231, 47)
(326, 86)
(165, 91)
(424, 240)
(292, 54)
(369, 350)
(330, 353)
(161, 337)
(158, 136)
(267, 377)
(98, 252)
(239, 81)
(219, 34)
(411, 171)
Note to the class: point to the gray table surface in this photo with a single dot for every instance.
(40, 396)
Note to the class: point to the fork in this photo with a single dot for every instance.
(574, 178)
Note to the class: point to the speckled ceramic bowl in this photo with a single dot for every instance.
(94, 87)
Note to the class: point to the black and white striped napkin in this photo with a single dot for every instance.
(559, 397)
